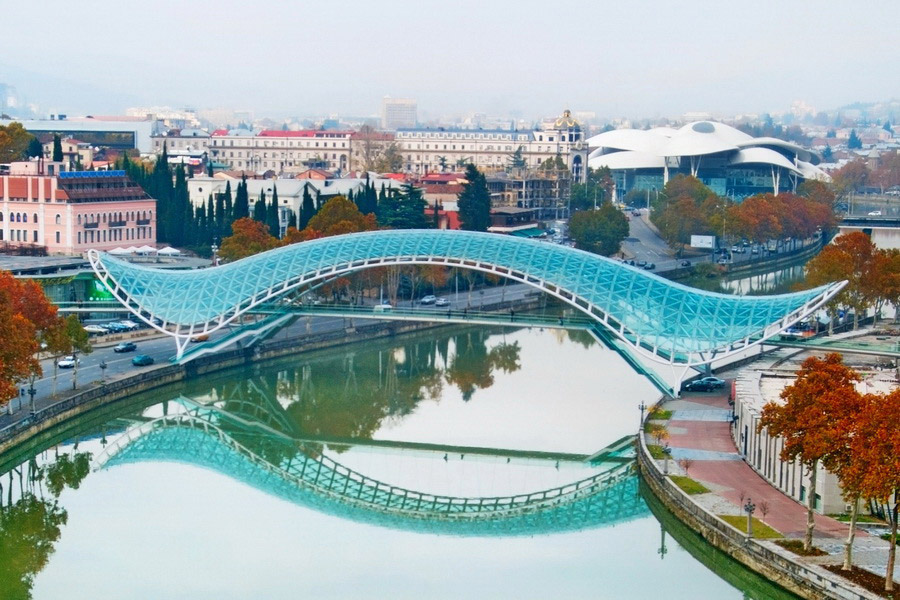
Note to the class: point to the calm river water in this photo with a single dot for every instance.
(188, 492)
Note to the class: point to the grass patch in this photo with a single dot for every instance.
(656, 451)
(845, 518)
(688, 485)
(872, 582)
(661, 415)
(761, 531)
(887, 537)
(796, 546)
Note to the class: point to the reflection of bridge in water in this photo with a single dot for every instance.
(253, 448)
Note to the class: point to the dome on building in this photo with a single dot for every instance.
(566, 121)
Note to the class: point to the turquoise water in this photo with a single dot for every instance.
(256, 483)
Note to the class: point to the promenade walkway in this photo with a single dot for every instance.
(700, 430)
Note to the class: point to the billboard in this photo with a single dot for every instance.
(703, 241)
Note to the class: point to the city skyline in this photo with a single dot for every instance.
(499, 59)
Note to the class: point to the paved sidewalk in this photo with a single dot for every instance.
(700, 429)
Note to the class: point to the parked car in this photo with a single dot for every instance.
(130, 325)
(429, 299)
(697, 386)
(641, 263)
(383, 307)
(67, 362)
(142, 360)
(125, 347)
(715, 382)
(96, 329)
(441, 302)
(875, 213)
(649, 266)
(636, 213)
(685, 263)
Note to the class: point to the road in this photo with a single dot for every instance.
(161, 347)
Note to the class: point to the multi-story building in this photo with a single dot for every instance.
(398, 112)
(74, 153)
(546, 191)
(281, 151)
(121, 133)
(426, 150)
(70, 212)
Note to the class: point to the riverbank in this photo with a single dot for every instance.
(702, 449)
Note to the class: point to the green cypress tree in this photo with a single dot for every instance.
(57, 148)
(212, 225)
(241, 202)
(292, 218)
(218, 223)
(272, 219)
(35, 149)
(474, 202)
(259, 209)
(307, 210)
(181, 215)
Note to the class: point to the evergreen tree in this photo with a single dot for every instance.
(474, 202)
(404, 209)
(57, 148)
(241, 201)
(854, 143)
(35, 149)
(212, 225)
(272, 219)
(259, 209)
(181, 214)
(159, 186)
(307, 210)
(209, 168)
(228, 213)
(292, 219)
(218, 223)
(366, 199)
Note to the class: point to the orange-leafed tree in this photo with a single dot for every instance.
(339, 216)
(248, 237)
(875, 465)
(806, 418)
(851, 258)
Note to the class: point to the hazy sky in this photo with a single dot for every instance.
(633, 58)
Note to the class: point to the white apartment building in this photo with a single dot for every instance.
(424, 150)
(279, 151)
(398, 112)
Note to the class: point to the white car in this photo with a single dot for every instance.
(875, 213)
(67, 362)
(383, 307)
(96, 329)
(429, 299)
(129, 324)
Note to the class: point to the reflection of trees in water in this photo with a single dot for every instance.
(473, 365)
(31, 523)
(351, 395)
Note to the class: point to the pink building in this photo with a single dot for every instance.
(72, 212)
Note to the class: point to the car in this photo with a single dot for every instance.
(115, 327)
(754, 250)
(96, 329)
(685, 263)
(649, 266)
(735, 248)
(383, 307)
(715, 382)
(697, 386)
(130, 325)
(67, 362)
(642, 263)
(429, 299)
(142, 360)
(441, 302)
(125, 347)
(199, 338)
(875, 213)
(635, 213)
(723, 261)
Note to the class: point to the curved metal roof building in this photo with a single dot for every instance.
(729, 161)
(663, 320)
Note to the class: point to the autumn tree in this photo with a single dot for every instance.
(850, 257)
(14, 140)
(875, 462)
(248, 237)
(805, 419)
(682, 209)
(339, 216)
(850, 177)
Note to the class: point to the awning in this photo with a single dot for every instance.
(529, 233)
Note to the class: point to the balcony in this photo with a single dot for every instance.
(117, 223)
(143, 221)
(91, 225)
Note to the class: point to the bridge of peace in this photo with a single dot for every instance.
(639, 314)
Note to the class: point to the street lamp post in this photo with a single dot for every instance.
(215, 257)
(749, 508)
(31, 393)
(667, 452)
(642, 407)
(103, 366)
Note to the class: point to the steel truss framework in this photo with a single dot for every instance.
(660, 319)
(206, 438)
